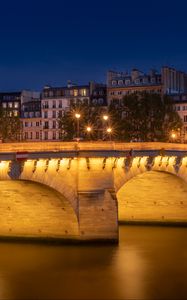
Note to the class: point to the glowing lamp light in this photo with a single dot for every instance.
(89, 129)
(109, 130)
(77, 116)
(105, 117)
(173, 135)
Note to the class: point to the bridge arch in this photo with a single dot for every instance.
(33, 210)
(156, 193)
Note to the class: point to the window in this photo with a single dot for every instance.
(15, 113)
(46, 105)
(127, 82)
(45, 114)
(60, 104)
(54, 124)
(26, 135)
(185, 118)
(26, 124)
(4, 105)
(37, 123)
(37, 135)
(46, 125)
(75, 93)
(54, 114)
(46, 135)
(54, 135)
(54, 104)
(16, 104)
(10, 104)
(31, 135)
(83, 92)
(120, 82)
(137, 81)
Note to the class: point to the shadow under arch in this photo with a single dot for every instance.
(33, 210)
(153, 196)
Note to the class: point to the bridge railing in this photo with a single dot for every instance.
(87, 146)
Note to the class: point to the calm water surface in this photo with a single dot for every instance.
(149, 263)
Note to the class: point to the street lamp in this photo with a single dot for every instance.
(88, 129)
(105, 118)
(77, 116)
(109, 131)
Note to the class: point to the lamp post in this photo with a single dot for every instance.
(105, 119)
(89, 129)
(77, 116)
(109, 131)
(173, 136)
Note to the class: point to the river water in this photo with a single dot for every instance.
(149, 263)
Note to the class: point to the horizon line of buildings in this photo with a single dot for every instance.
(39, 111)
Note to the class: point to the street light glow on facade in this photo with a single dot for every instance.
(109, 130)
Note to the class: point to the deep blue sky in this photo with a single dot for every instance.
(49, 42)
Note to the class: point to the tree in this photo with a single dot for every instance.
(145, 117)
(10, 126)
(90, 116)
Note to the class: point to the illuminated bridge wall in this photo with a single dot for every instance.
(91, 178)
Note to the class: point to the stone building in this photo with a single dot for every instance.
(55, 101)
(31, 117)
(120, 84)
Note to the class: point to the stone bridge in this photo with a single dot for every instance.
(89, 177)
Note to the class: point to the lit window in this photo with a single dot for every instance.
(10, 104)
(83, 92)
(16, 104)
(75, 93)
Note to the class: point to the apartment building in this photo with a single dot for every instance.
(55, 101)
(120, 84)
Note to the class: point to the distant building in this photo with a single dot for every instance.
(173, 81)
(120, 84)
(180, 104)
(11, 102)
(55, 101)
(31, 116)
(168, 81)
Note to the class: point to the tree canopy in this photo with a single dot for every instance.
(137, 117)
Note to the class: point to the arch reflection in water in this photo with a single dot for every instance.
(153, 196)
(31, 209)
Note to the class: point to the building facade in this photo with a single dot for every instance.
(120, 84)
(31, 116)
(57, 100)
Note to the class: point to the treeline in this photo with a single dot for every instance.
(137, 117)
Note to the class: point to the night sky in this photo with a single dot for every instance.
(50, 42)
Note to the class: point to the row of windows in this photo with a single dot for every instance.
(136, 81)
(50, 125)
(32, 124)
(179, 108)
(61, 92)
(10, 105)
(55, 114)
(33, 135)
(32, 114)
(134, 92)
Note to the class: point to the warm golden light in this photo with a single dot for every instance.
(109, 130)
(77, 116)
(88, 128)
(105, 117)
(173, 135)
